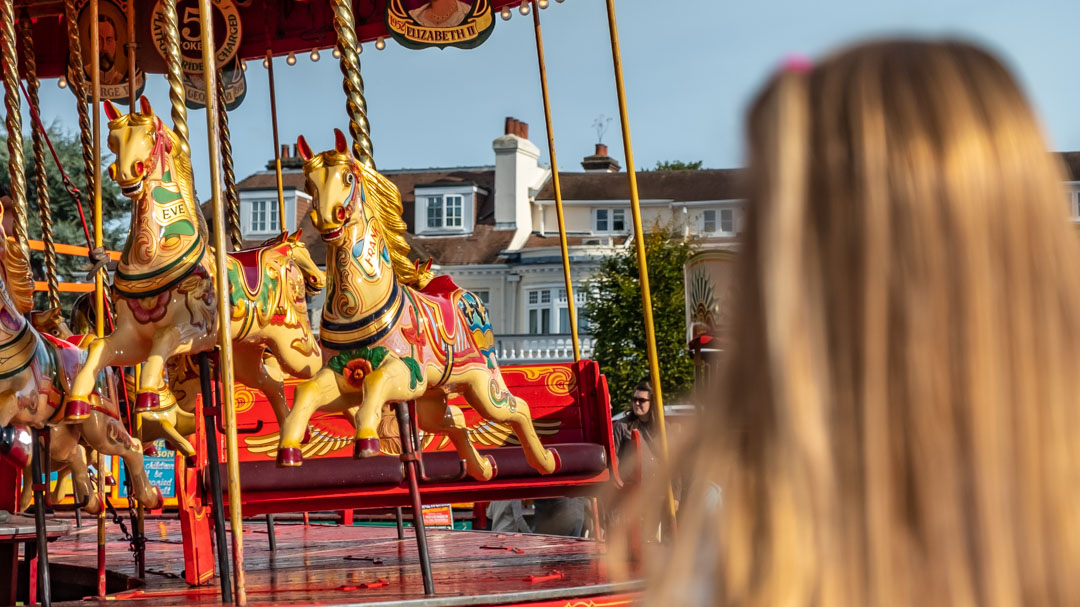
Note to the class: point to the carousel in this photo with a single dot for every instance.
(191, 363)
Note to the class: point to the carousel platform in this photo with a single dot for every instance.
(330, 564)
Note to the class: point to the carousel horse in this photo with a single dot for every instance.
(163, 290)
(391, 333)
(36, 372)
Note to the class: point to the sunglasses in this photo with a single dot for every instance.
(639, 400)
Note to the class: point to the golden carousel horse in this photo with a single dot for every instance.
(36, 372)
(391, 333)
(163, 291)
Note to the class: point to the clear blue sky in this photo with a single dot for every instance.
(689, 74)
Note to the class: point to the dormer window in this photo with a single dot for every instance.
(607, 221)
(445, 211)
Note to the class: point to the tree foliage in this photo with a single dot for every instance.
(678, 165)
(67, 227)
(614, 311)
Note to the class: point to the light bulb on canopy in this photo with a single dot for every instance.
(314, 54)
(291, 59)
(505, 14)
(542, 3)
(524, 8)
(336, 53)
(380, 44)
(62, 82)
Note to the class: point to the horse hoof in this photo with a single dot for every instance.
(93, 506)
(146, 401)
(289, 456)
(494, 467)
(307, 437)
(159, 500)
(150, 450)
(365, 447)
(558, 461)
(190, 461)
(15, 444)
(77, 410)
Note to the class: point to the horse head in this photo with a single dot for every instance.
(335, 183)
(51, 321)
(138, 140)
(314, 278)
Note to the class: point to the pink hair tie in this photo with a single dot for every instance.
(800, 64)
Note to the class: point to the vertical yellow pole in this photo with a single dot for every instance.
(224, 313)
(99, 278)
(130, 49)
(639, 244)
(570, 306)
(277, 147)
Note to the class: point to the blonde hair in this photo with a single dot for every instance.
(899, 420)
(384, 200)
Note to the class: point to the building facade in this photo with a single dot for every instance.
(494, 229)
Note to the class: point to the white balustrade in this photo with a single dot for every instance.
(522, 349)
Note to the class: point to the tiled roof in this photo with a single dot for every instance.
(680, 186)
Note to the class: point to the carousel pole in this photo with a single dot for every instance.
(41, 182)
(138, 517)
(99, 278)
(232, 197)
(225, 365)
(570, 304)
(639, 244)
(78, 88)
(13, 122)
(273, 120)
(355, 104)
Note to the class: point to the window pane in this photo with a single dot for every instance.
(601, 220)
(727, 221)
(435, 211)
(483, 296)
(709, 220)
(564, 320)
(273, 212)
(562, 295)
(618, 220)
(453, 211)
(545, 296)
(545, 321)
(533, 297)
(532, 322)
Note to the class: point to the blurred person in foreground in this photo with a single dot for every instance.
(899, 420)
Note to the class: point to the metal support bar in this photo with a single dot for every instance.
(217, 501)
(408, 459)
(639, 243)
(400, 523)
(270, 532)
(44, 586)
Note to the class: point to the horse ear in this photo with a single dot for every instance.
(111, 111)
(304, 148)
(339, 142)
(144, 106)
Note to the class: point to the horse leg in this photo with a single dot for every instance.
(391, 382)
(293, 361)
(151, 378)
(163, 425)
(65, 448)
(265, 376)
(120, 347)
(487, 394)
(108, 436)
(320, 392)
(435, 416)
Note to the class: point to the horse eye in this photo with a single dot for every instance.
(349, 178)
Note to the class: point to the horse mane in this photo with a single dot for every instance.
(384, 199)
(18, 277)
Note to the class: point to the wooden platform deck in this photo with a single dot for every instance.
(329, 564)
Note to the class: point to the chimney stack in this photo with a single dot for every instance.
(600, 162)
(516, 128)
(284, 151)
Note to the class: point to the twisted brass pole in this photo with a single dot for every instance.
(77, 80)
(41, 182)
(16, 166)
(355, 104)
(175, 75)
(232, 197)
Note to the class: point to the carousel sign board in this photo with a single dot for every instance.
(228, 34)
(439, 23)
(112, 53)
